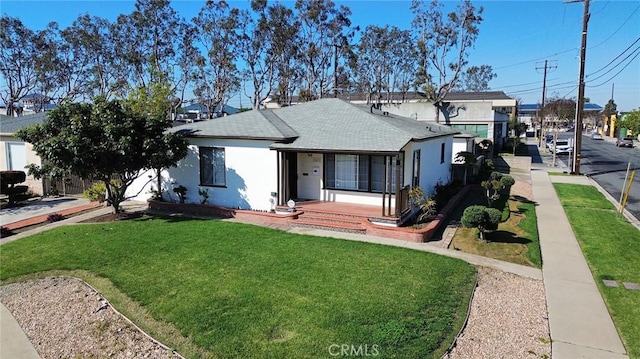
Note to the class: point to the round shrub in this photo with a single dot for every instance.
(96, 193)
(493, 218)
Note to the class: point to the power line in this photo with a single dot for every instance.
(618, 29)
(617, 57)
(617, 73)
(613, 68)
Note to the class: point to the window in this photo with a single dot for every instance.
(212, 166)
(442, 148)
(16, 156)
(358, 172)
(416, 168)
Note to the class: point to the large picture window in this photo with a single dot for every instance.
(359, 172)
(212, 166)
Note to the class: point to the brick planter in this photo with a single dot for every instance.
(423, 234)
(221, 212)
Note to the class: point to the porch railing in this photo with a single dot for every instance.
(402, 202)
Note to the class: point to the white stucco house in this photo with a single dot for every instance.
(15, 154)
(328, 150)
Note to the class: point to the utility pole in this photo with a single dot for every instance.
(580, 103)
(544, 92)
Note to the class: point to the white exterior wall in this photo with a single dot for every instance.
(432, 171)
(251, 175)
(31, 157)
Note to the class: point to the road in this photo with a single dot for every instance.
(607, 165)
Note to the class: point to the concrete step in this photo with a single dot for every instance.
(331, 226)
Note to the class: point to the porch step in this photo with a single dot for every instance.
(330, 221)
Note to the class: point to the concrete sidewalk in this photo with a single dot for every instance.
(579, 322)
(13, 342)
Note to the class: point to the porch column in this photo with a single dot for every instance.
(384, 186)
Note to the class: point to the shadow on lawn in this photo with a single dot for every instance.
(501, 236)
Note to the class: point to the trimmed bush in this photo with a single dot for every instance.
(482, 218)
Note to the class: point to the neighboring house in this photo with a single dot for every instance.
(198, 111)
(528, 113)
(328, 150)
(15, 154)
(483, 113)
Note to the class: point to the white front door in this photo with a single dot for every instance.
(309, 175)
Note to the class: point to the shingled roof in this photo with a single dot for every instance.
(325, 125)
(11, 124)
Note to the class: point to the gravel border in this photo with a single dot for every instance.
(66, 318)
(508, 319)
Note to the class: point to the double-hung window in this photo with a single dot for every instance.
(212, 166)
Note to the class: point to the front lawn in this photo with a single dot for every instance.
(515, 240)
(611, 246)
(244, 291)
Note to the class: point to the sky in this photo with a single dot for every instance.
(516, 37)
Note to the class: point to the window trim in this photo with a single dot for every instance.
(224, 172)
(442, 151)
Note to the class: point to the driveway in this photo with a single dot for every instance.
(39, 207)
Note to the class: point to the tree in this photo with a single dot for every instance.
(475, 79)
(631, 121)
(215, 75)
(17, 67)
(560, 110)
(443, 44)
(104, 140)
(482, 218)
(324, 29)
(385, 62)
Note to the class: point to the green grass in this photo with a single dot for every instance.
(611, 246)
(236, 290)
(516, 239)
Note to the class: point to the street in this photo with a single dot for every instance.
(607, 165)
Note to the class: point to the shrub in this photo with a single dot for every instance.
(482, 218)
(494, 217)
(96, 193)
(507, 181)
(54, 217)
(204, 193)
(5, 232)
(426, 204)
(181, 191)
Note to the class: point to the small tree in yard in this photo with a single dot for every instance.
(482, 218)
(103, 140)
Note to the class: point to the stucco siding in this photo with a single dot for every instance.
(35, 186)
(432, 171)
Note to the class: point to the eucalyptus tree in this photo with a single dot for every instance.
(286, 51)
(96, 53)
(385, 62)
(475, 78)
(146, 42)
(215, 74)
(16, 61)
(325, 34)
(443, 43)
(257, 51)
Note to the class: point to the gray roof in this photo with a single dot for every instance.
(325, 125)
(255, 125)
(469, 96)
(10, 124)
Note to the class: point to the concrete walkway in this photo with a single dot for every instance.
(579, 321)
(13, 342)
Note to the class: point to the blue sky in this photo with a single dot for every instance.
(515, 38)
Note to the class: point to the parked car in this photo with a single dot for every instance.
(563, 146)
(596, 136)
(624, 141)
